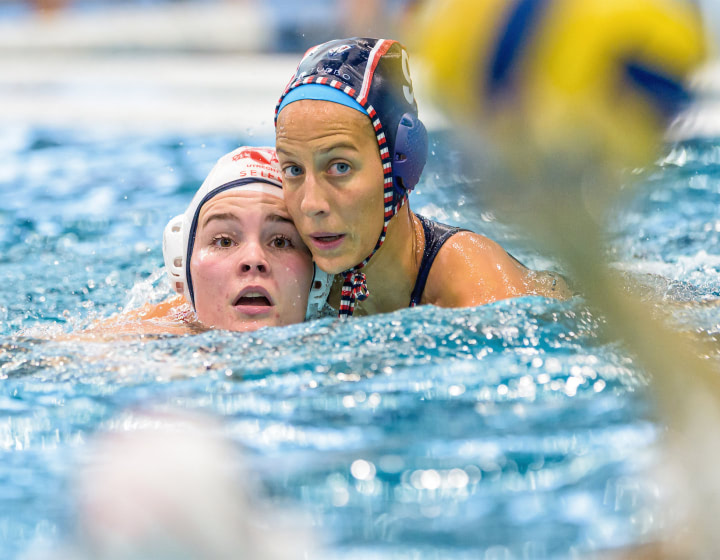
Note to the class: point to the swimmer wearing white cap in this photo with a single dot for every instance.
(235, 256)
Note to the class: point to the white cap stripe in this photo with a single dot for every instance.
(368, 71)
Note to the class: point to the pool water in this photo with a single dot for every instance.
(519, 429)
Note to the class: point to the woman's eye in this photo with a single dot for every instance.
(281, 242)
(339, 168)
(292, 171)
(222, 241)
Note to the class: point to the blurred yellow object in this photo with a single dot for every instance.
(573, 91)
(581, 77)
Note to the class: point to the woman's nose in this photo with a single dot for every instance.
(247, 267)
(313, 200)
(253, 259)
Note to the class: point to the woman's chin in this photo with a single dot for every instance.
(248, 326)
(250, 323)
(336, 265)
(238, 325)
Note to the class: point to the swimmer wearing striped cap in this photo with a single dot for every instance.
(234, 256)
(351, 148)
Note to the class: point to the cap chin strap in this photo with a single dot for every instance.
(355, 288)
(402, 172)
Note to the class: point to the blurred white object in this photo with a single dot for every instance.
(171, 487)
(229, 26)
(711, 14)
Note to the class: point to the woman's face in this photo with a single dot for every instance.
(249, 266)
(333, 180)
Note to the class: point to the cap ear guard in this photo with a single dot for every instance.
(319, 290)
(410, 154)
(174, 254)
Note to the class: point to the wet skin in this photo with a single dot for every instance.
(331, 172)
(249, 266)
(333, 183)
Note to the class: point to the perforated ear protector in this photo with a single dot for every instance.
(410, 155)
(174, 254)
(319, 290)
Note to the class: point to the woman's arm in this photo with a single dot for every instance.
(172, 316)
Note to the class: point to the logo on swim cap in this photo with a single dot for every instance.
(264, 156)
(253, 162)
(338, 50)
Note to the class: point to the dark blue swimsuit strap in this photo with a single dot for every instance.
(436, 234)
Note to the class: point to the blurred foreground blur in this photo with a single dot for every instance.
(573, 95)
(172, 487)
(205, 66)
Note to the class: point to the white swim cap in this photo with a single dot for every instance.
(247, 169)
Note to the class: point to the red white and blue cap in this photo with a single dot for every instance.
(371, 76)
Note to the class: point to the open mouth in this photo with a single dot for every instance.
(254, 301)
(327, 240)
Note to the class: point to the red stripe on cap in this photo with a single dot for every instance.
(378, 51)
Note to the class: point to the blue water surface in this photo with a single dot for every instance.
(520, 429)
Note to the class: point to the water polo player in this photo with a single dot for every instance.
(351, 148)
(235, 256)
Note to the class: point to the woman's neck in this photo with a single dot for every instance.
(392, 271)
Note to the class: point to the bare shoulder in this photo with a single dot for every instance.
(471, 269)
(163, 310)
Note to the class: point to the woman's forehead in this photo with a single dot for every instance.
(311, 119)
(244, 203)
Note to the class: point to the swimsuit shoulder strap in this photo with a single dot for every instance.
(436, 234)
